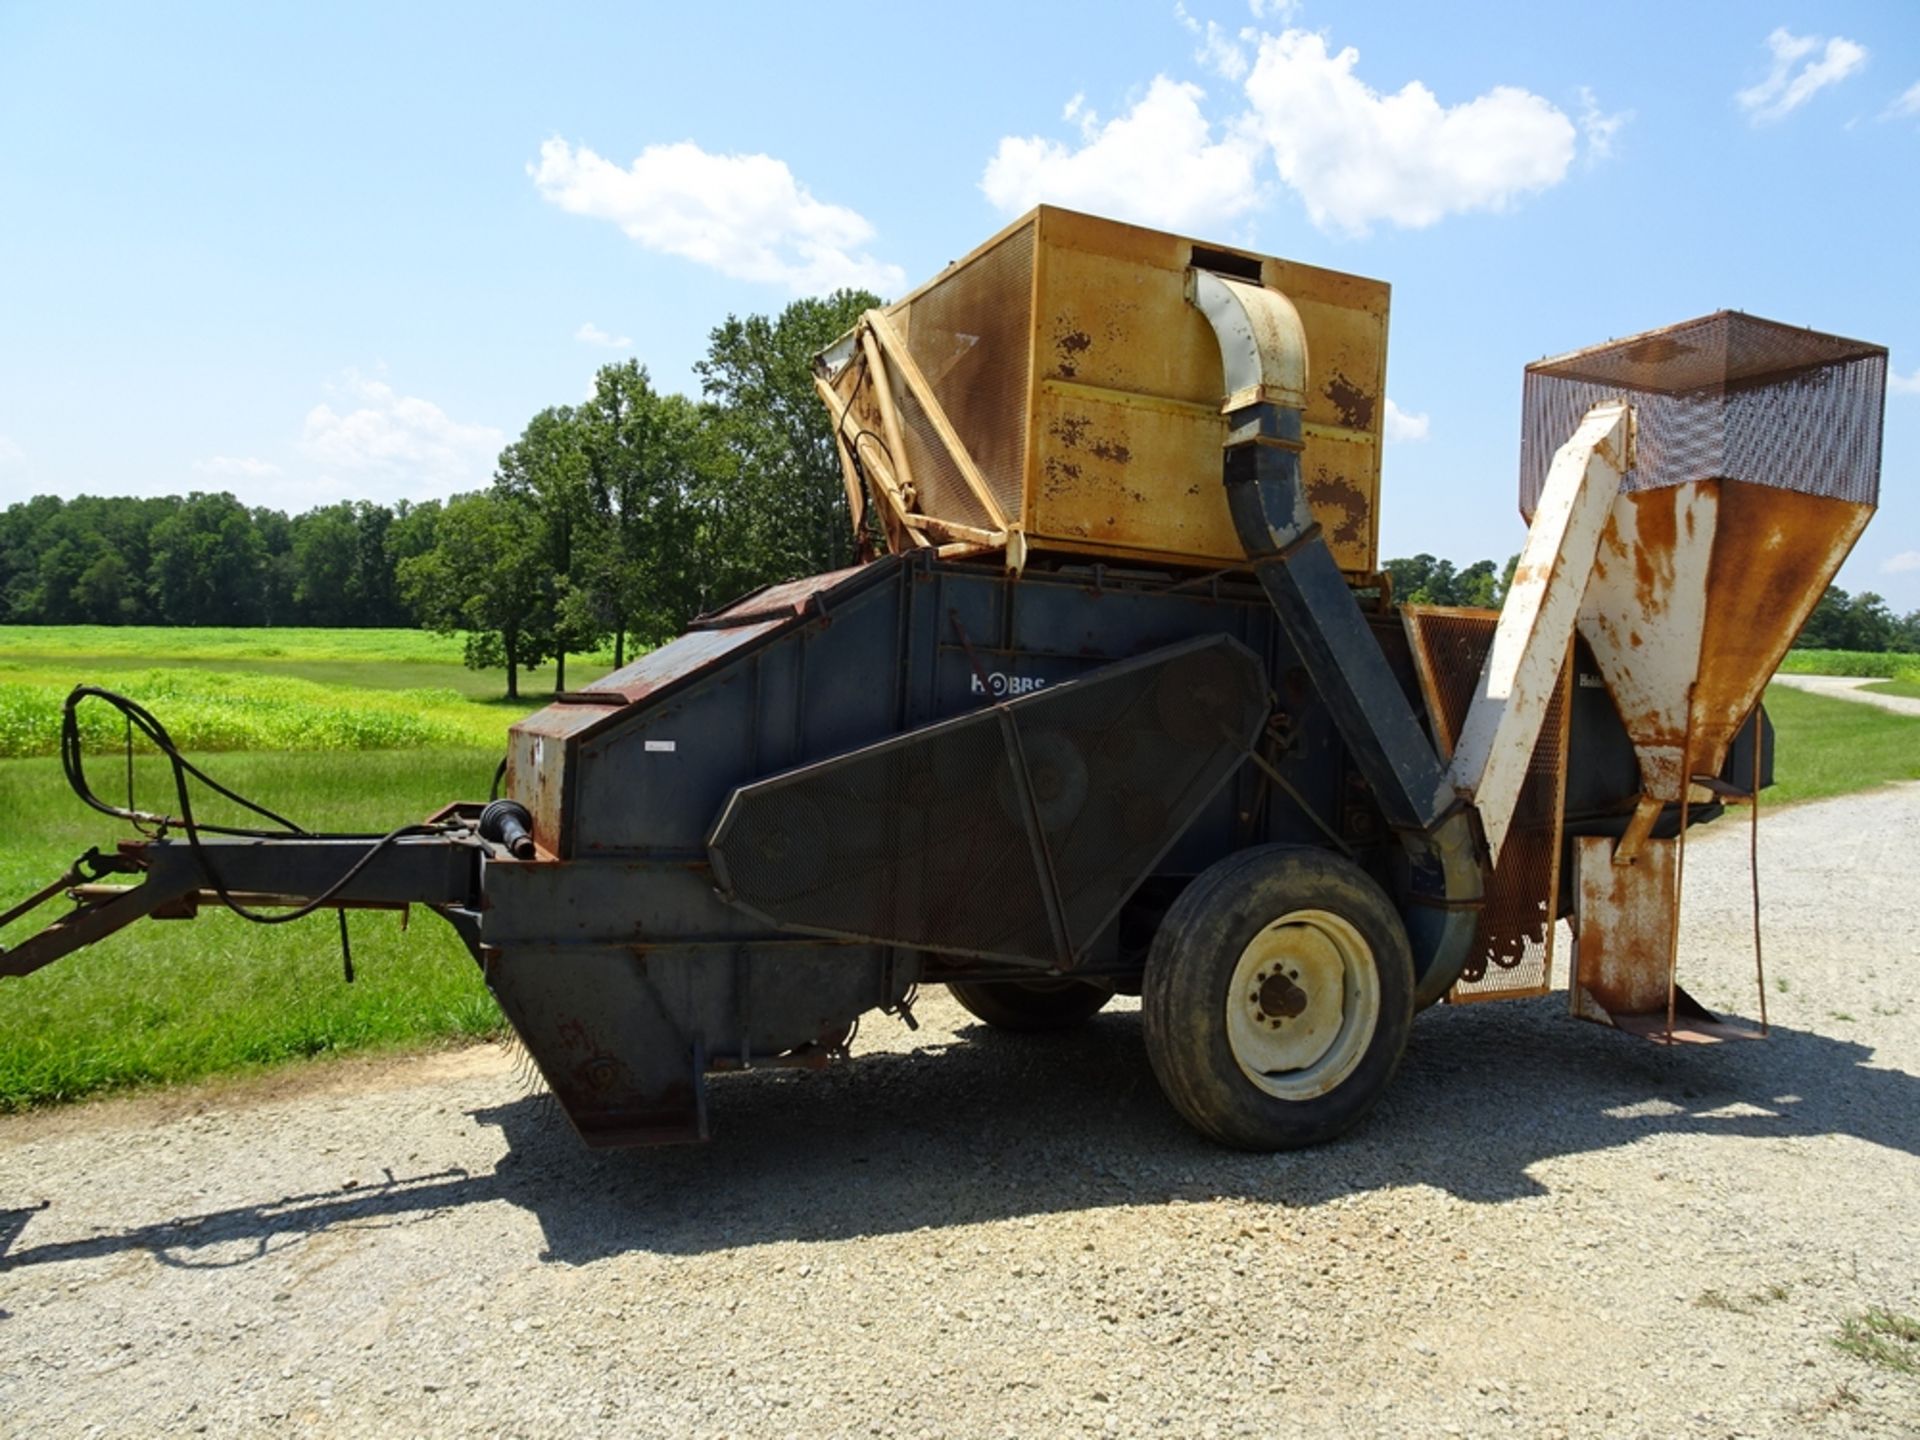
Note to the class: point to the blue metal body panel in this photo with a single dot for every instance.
(625, 973)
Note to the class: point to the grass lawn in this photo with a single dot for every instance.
(265, 689)
(1824, 746)
(173, 1000)
(1910, 687)
(337, 729)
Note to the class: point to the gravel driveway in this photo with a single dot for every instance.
(1546, 1230)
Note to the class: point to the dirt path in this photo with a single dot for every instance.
(1848, 687)
(1546, 1230)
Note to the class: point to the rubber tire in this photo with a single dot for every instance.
(1191, 965)
(1030, 1006)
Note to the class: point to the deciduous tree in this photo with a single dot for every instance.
(487, 574)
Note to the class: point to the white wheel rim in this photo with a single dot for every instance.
(1304, 1004)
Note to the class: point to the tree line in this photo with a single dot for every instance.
(1839, 622)
(609, 522)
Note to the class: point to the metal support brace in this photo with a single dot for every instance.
(1522, 668)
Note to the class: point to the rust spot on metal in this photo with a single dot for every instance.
(1785, 547)
(1354, 404)
(1069, 347)
(1070, 430)
(1658, 527)
(1624, 934)
(1076, 432)
(1335, 492)
(598, 1075)
(1060, 476)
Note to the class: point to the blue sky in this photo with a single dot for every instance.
(308, 253)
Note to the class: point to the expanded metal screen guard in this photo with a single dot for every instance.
(1512, 954)
(1728, 396)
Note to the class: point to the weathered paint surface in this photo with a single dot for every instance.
(1263, 350)
(772, 602)
(1697, 592)
(1623, 929)
(1644, 615)
(1522, 672)
(541, 749)
(1775, 554)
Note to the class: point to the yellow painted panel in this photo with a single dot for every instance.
(1142, 475)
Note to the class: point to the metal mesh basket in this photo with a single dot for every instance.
(1728, 396)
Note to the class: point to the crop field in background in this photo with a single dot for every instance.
(1874, 664)
(218, 690)
(363, 730)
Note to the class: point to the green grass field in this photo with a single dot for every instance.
(337, 729)
(172, 1000)
(1825, 747)
(295, 689)
(333, 732)
(146, 642)
(1909, 687)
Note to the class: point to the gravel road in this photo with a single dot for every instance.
(1546, 1230)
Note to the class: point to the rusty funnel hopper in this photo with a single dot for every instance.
(1750, 465)
(1755, 465)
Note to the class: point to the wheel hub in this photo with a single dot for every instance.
(1304, 1004)
(1279, 997)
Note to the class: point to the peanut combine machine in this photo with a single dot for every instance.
(1120, 703)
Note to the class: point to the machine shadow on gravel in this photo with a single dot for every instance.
(998, 1127)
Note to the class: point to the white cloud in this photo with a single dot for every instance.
(1222, 53)
(1158, 164)
(1402, 427)
(1219, 51)
(402, 436)
(1790, 84)
(1903, 384)
(1357, 156)
(1598, 126)
(743, 215)
(1900, 564)
(245, 467)
(10, 451)
(1908, 103)
(591, 334)
(1274, 9)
